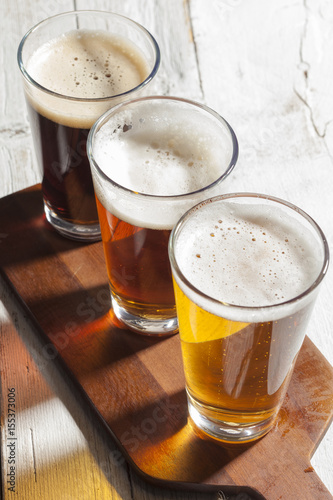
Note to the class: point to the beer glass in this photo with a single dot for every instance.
(75, 66)
(247, 269)
(153, 158)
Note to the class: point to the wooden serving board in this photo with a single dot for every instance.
(136, 384)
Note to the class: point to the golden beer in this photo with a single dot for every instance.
(236, 370)
(245, 280)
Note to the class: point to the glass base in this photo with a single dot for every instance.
(79, 232)
(145, 325)
(226, 431)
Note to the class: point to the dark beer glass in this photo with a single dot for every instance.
(151, 159)
(70, 78)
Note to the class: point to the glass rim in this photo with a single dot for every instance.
(236, 307)
(105, 116)
(40, 87)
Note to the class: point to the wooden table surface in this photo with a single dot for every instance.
(267, 67)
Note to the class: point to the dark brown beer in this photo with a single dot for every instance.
(78, 76)
(67, 184)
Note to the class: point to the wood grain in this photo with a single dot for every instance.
(136, 384)
(66, 467)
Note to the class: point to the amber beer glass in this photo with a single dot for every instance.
(151, 160)
(75, 66)
(247, 270)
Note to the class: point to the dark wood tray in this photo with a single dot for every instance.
(136, 384)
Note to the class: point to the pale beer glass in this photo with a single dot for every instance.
(75, 66)
(151, 160)
(247, 269)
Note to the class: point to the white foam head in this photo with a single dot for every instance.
(164, 151)
(248, 255)
(84, 64)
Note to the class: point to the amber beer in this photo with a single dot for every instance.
(152, 159)
(76, 66)
(137, 260)
(246, 273)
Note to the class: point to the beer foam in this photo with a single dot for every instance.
(85, 64)
(158, 156)
(250, 256)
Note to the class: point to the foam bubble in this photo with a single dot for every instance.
(245, 255)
